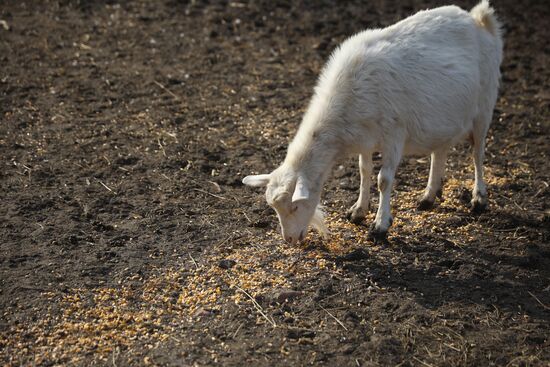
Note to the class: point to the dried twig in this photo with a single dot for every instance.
(167, 90)
(230, 237)
(175, 339)
(334, 317)
(539, 301)
(107, 187)
(238, 329)
(258, 307)
(193, 260)
(422, 362)
(114, 356)
(209, 193)
(161, 147)
(451, 347)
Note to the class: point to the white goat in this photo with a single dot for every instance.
(416, 87)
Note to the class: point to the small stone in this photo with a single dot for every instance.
(285, 295)
(4, 25)
(347, 349)
(203, 312)
(227, 263)
(299, 334)
(260, 224)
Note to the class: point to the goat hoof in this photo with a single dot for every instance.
(425, 204)
(478, 206)
(356, 215)
(378, 235)
(479, 202)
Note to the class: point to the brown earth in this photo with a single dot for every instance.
(126, 237)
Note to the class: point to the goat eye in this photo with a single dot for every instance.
(294, 208)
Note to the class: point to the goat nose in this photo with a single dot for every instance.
(289, 239)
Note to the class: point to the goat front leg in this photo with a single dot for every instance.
(360, 209)
(390, 160)
(435, 182)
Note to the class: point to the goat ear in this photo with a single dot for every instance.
(257, 180)
(301, 191)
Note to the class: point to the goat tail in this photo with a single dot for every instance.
(484, 16)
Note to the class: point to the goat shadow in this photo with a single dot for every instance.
(514, 279)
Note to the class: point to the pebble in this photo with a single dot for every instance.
(227, 263)
(285, 295)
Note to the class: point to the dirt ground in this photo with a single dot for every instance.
(127, 238)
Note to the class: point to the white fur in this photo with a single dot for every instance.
(416, 87)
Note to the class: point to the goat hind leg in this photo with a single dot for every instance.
(479, 194)
(435, 182)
